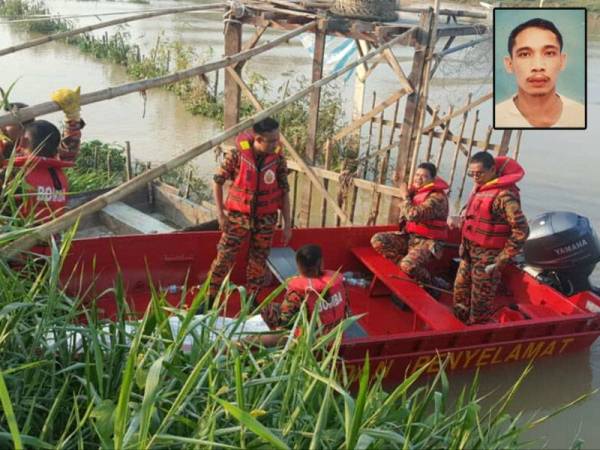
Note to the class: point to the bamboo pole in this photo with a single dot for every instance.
(251, 44)
(326, 183)
(376, 197)
(470, 105)
(366, 159)
(360, 183)
(110, 23)
(395, 66)
(129, 173)
(488, 137)
(457, 148)
(32, 112)
(44, 231)
(430, 142)
(368, 116)
(518, 146)
(469, 151)
(444, 139)
(294, 198)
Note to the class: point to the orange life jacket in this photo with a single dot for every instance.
(255, 191)
(46, 180)
(435, 228)
(480, 226)
(332, 309)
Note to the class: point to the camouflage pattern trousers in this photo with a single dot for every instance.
(410, 252)
(237, 228)
(475, 290)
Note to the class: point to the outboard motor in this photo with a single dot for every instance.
(564, 249)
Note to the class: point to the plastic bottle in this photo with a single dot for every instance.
(173, 289)
(354, 279)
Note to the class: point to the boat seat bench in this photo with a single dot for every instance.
(433, 313)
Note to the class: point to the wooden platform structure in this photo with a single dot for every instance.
(398, 139)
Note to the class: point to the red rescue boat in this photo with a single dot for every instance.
(546, 313)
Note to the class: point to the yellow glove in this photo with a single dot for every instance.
(69, 102)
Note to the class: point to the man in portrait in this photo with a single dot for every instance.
(536, 59)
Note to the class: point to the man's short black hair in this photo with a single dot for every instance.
(265, 126)
(44, 138)
(429, 167)
(15, 106)
(534, 23)
(484, 158)
(308, 259)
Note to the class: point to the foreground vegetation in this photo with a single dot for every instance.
(70, 379)
(102, 165)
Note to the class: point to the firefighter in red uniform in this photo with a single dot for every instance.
(323, 291)
(494, 230)
(260, 188)
(46, 185)
(422, 226)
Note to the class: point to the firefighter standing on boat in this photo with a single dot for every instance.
(422, 225)
(259, 189)
(494, 230)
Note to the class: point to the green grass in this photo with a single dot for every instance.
(134, 388)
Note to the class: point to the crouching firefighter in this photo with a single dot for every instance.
(322, 290)
(494, 230)
(423, 226)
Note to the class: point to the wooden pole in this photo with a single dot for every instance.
(469, 151)
(424, 94)
(232, 93)
(451, 115)
(294, 198)
(357, 123)
(518, 146)
(32, 112)
(188, 183)
(128, 169)
(444, 139)
(251, 44)
(412, 111)
(430, 142)
(503, 150)
(366, 165)
(110, 23)
(326, 183)
(457, 148)
(313, 114)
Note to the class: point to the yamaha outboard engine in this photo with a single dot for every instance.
(564, 249)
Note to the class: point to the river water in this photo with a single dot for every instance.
(562, 166)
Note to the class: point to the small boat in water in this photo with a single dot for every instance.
(156, 208)
(545, 304)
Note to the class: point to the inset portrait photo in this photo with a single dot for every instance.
(540, 68)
